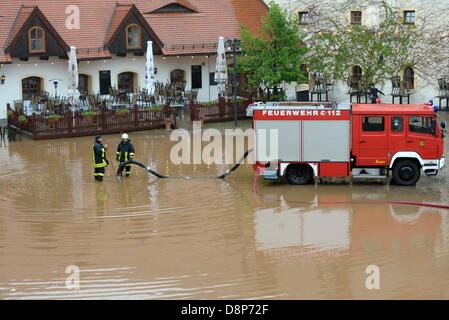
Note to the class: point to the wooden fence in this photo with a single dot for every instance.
(77, 124)
(221, 110)
(104, 121)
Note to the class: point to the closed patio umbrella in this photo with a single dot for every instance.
(73, 95)
(149, 76)
(221, 68)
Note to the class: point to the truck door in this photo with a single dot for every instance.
(372, 142)
(397, 136)
(421, 136)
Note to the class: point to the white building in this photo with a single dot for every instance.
(111, 38)
(429, 16)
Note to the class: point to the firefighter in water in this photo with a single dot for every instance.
(125, 152)
(99, 159)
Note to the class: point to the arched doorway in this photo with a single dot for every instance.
(357, 73)
(409, 78)
(127, 82)
(31, 87)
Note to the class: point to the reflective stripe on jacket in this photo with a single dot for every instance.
(125, 151)
(99, 156)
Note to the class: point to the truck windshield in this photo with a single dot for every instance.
(423, 125)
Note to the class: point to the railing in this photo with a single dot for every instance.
(105, 121)
(221, 110)
(76, 124)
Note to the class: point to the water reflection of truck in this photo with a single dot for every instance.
(336, 221)
(299, 141)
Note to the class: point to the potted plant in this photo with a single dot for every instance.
(121, 115)
(23, 119)
(10, 113)
(54, 120)
(88, 116)
(210, 104)
(122, 112)
(156, 109)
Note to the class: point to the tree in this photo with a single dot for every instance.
(383, 46)
(275, 54)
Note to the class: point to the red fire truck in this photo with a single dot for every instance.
(297, 142)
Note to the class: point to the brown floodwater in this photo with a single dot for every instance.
(204, 238)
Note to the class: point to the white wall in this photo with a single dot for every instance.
(423, 93)
(57, 69)
(425, 90)
(14, 73)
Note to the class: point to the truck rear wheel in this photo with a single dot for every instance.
(299, 174)
(406, 173)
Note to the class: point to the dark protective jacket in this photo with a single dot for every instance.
(374, 93)
(99, 159)
(125, 151)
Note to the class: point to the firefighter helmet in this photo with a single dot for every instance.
(125, 136)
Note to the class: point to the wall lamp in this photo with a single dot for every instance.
(3, 78)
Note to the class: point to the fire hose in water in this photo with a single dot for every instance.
(258, 173)
(161, 176)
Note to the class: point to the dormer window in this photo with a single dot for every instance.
(175, 7)
(133, 37)
(36, 40)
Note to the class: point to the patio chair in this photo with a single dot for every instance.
(443, 91)
(395, 88)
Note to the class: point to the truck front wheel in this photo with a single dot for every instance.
(299, 174)
(406, 173)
